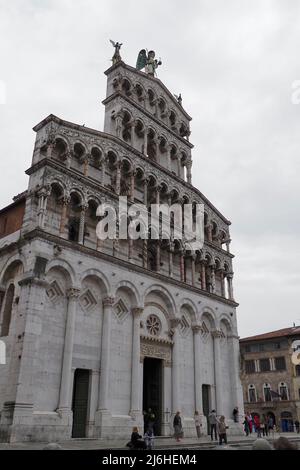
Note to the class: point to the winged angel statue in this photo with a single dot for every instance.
(116, 57)
(147, 61)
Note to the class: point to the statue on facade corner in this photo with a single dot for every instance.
(116, 57)
(179, 98)
(148, 62)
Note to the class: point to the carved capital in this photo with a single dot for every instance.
(108, 301)
(73, 293)
(137, 311)
(197, 329)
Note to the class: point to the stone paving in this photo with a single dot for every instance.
(234, 442)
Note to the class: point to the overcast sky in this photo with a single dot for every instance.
(234, 62)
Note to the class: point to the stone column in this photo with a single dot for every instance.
(182, 276)
(146, 181)
(65, 201)
(20, 388)
(119, 124)
(145, 253)
(171, 252)
(193, 260)
(118, 177)
(203, 275)
(218, 371)
(145, 142)
(197, 367)
(158, 256)
(66, 372)
(230, 287)
(82, 223)
(135, 363)
(189, 171)
(132, 184)
(213, 278)
(209, 233)
(105, 354)
(222, 283)
(43, 195)
(176, 402)
(237, 392)
(228, 245)
(169, 164)
(86, 161)
(179, 165)
(103, 165)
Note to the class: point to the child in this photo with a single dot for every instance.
(221, 426)
(149, 438)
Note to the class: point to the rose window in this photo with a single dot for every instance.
(153, 325)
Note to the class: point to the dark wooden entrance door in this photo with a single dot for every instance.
(206, 403)
(152, 391)
(80, 402)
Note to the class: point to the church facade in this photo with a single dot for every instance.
(96, 332)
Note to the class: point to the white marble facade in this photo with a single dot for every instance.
(74, 304)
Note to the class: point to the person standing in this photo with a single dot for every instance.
(235, 414)
(297, 426)
(263, 425)
(257, 425)
(197, 423)
(221, 425)
(212, 418)
(246, 426)
(177, 424)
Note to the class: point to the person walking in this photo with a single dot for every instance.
(197, 423)
(297, 426)
(263, 425)
(246, 426)
(212, 418)
(235, 414)
(177, 424)
(221, 426)
(257, 425)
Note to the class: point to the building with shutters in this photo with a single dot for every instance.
(270, 378)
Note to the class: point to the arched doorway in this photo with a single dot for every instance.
(287, 424)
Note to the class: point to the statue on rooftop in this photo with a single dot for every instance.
(148, 62)
(116, 57)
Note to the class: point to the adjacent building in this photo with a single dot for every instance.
(270, 378)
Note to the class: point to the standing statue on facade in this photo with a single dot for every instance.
(148, 62)
(116, 57)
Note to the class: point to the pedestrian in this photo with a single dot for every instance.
(235, 414)
(197, 423)
(250, 422)
(221, 425)
(177, 424)
(246, 426)
(137, 442)
(149, 438)
(263, 425)
(297, 426)
(212, 418)
(257, 425)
